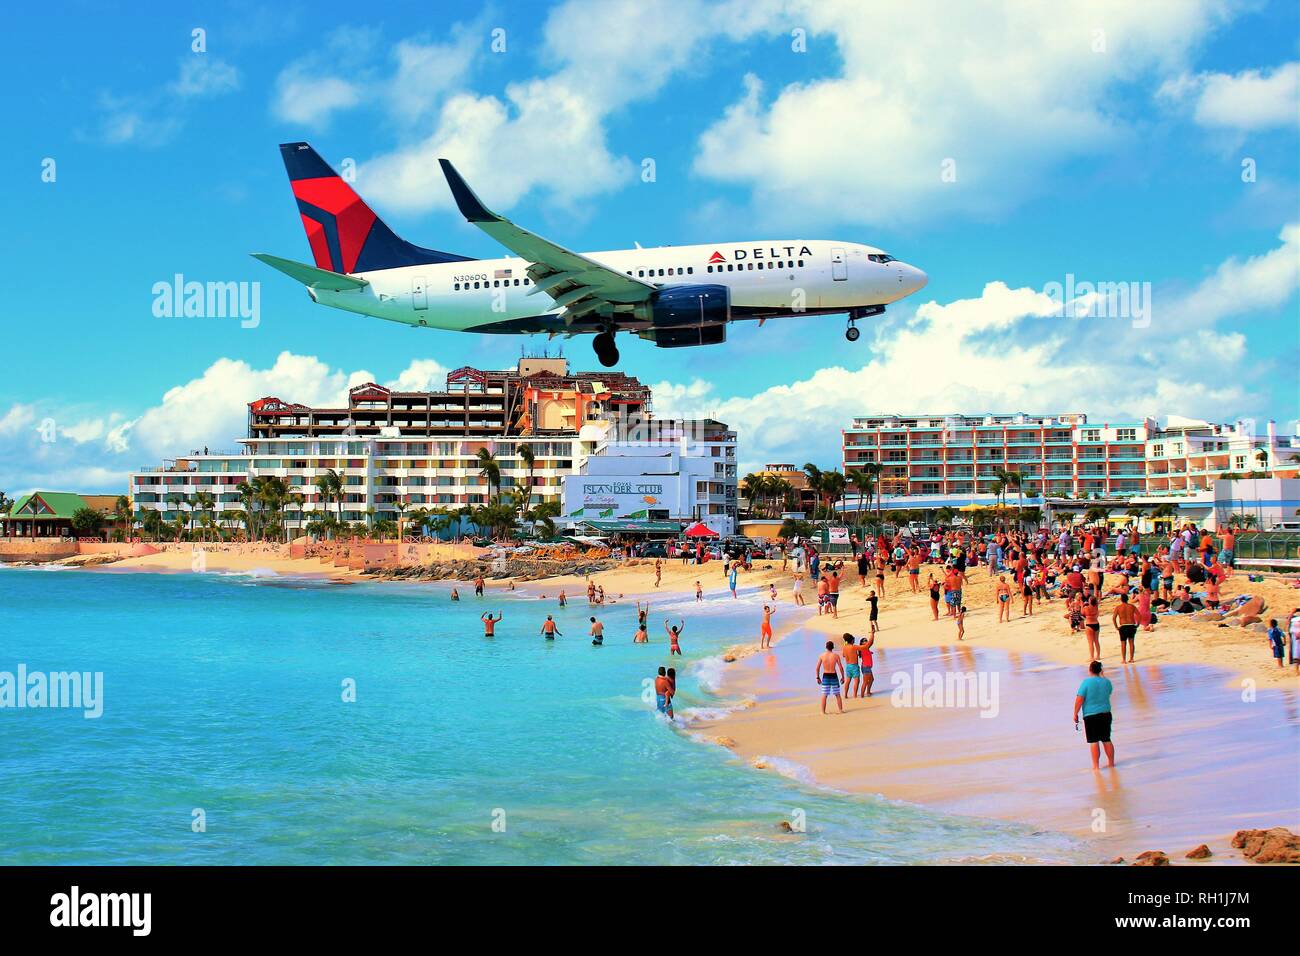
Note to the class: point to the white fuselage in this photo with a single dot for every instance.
(765, 279)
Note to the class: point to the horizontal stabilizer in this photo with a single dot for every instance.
(312, 277)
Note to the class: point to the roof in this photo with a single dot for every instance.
(609, 527)
(47, 504)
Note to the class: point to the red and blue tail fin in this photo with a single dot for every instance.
(345, 234)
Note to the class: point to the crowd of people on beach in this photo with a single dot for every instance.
(1082, 568)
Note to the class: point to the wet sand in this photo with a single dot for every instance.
(1196, 761)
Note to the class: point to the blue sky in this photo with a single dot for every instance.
(1088, 139)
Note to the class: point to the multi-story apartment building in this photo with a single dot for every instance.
(400, 450)
(1187, 456)
(1061, 456)
(961, 455)
(540, 395)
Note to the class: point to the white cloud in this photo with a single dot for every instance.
(1237, 286)
(311, 100)
(1007, 350)
(355, 69)
(420, 376)
(202, 74)
(153, 118)
(1249, 100)
(97, 453)
(608, 54)
(1006, 92)
(16, 419)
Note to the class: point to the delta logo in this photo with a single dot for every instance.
(774, 252)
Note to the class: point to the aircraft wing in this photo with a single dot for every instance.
(579, 285)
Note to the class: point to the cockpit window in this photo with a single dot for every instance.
(881, 257)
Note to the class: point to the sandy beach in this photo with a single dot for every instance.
(1206, 724)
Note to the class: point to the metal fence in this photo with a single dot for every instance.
(1267, 546)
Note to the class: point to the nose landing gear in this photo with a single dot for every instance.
(862, 312)
(606, 350)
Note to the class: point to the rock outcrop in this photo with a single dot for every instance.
(1278, 845)
(1152, 858)
(1201, 852)
(517, 569)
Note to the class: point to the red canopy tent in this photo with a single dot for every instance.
(700, 530)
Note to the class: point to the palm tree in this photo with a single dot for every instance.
(814, 482)
(755, 486)
(1162, 512)
(1013, 479)
(873, 470)
(530, 462)
(998, 488)
(177, 501)
(490, 469)
(1065, 518)
(151, 522)
(248, 498)
(833, 486)
(945, 515)
(296, 501)
(204, 501)
(121, 512)
(864, 484)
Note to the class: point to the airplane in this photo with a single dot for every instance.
(673, 296)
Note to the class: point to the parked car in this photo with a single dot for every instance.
(653, 549)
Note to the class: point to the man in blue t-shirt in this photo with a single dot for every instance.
(1093, 698)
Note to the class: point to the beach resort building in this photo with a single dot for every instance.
(400, 450)
(962, 455)
(929, 461)
(48, 514)
(668, 470)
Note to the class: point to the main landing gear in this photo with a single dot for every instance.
(606, 350)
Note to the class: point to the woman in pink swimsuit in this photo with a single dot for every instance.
(1144, 609)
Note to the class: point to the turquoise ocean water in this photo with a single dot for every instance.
(224, 692)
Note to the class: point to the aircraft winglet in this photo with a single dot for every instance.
(471, 207)
(312, 277)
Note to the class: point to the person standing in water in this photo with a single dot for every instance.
(662, 699)
(830, 674)
(478, 585)
(672, 689)
(1125, 620)
(674, 633)
(549, 630)
(765, 630)
(597, 633)
(490, 623)
(1093, 699)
